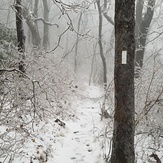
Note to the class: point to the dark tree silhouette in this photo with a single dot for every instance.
(20, 35)
(123, 133)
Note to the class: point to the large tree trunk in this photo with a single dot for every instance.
(142, 27)
(46, 27)
(20, 35)
(123, 133)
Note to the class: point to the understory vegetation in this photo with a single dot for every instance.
(67, 93)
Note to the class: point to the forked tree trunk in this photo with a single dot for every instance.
(20, 35)
(142, 27)
(123, 133)
(100, 44)
(32, 24)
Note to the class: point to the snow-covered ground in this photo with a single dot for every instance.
(81, 138)
(77, 141)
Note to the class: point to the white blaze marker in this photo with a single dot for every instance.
(124, 57)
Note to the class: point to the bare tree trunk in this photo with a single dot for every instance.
(29, 32)
(139, 13)
(32, 26)
(36, 8)
(100, 44)
(92, 63)
(123, 133)
(142, 33)
(8, 18)
(20, 35)
(46, 27)
(77, 43)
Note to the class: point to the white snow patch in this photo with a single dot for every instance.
(77, 142)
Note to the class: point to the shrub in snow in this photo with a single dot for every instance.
(148, 96)
(30, 103)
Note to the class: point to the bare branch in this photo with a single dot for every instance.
(108, 18)
(14, 70)
(155, 156)
(45, 22)
(59, 40)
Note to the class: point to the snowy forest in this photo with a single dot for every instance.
(81, 81)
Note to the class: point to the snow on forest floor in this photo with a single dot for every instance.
(77, 142)
(80, 139)
(80, 143)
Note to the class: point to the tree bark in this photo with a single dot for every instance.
(46, 27)
(20, 35)
(123, 133)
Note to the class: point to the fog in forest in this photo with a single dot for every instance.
(57, 91)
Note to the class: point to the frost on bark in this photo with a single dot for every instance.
(20, 35)
(123, 133)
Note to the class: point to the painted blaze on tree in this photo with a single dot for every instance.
(123, 134)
